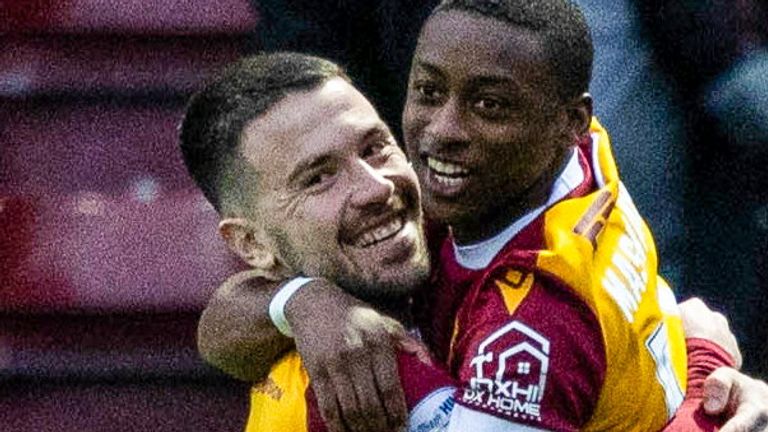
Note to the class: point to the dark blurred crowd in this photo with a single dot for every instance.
(682, 87)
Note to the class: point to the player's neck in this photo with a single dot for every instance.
(494, 220)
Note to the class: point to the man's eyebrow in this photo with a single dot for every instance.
(379, 130)
(493, 80)
(476, 81)
(308, 164)
(428, 67)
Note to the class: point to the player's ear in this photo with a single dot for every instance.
(573, 119)
(250, 242)
(580, 115)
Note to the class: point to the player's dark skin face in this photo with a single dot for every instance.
(483, 126)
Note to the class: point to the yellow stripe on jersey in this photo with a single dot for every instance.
(671, 313)
(278, 403)
(514, 288)
(600, 246)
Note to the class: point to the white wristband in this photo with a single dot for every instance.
(277, 305)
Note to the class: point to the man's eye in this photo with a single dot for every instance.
(428, 91)
(489, 104)
(380, 151)
(373, 149)
(317, 179)
(493, 107)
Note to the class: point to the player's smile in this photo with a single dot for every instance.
(442, 177)
(379, 233)
(391, 243)
(388, 238)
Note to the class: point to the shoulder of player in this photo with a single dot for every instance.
(580, 219)
(509, 287)
(533, 296)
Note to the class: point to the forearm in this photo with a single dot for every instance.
(235, 333)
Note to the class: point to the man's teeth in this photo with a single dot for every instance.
(380, 233)
(449, 181)
(446, 168)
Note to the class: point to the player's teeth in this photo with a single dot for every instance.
(380, 233)
(448, 181)
(446, 167)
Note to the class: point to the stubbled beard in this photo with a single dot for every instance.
(367, 284)
(376, 291)
(356, 280)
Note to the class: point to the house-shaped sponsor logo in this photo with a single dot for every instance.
(511, 367)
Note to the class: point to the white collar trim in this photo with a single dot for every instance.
(599, 179)
(478, 255)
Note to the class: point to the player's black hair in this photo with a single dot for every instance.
(560, 24)
(216, 115)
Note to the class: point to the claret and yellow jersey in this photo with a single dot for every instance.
(561, 322)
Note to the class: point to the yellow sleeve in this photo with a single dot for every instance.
(278, 404)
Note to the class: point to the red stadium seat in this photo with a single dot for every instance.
(23, 287)
(118, 220)
(110, 65)
(145, 250)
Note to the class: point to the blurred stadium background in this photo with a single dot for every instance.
(107, 250)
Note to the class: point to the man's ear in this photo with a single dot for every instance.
(251, 243)
(580, 116)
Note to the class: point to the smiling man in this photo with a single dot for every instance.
(306, 176)
(329, 215)
(308, 180)
(545, 302)
(497, 102)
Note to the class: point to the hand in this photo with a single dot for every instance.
(740, 398)
(699, 321)
(348, 350)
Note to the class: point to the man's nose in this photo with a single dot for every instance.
(371, 186)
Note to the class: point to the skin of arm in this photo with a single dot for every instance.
(235, 333)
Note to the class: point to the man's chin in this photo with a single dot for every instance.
(444, 211)
(387, 288)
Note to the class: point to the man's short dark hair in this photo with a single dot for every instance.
(561, 26)
(216, 115)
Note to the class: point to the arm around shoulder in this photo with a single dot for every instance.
(235, 333)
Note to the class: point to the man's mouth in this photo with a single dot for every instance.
(380, 232)
(447, 174)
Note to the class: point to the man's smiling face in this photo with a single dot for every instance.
(335, 192)
(479, 119)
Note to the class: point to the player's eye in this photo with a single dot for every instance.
(375, 148)
(379, 151)
(490, 105)
(428, 91)
(319, 179)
